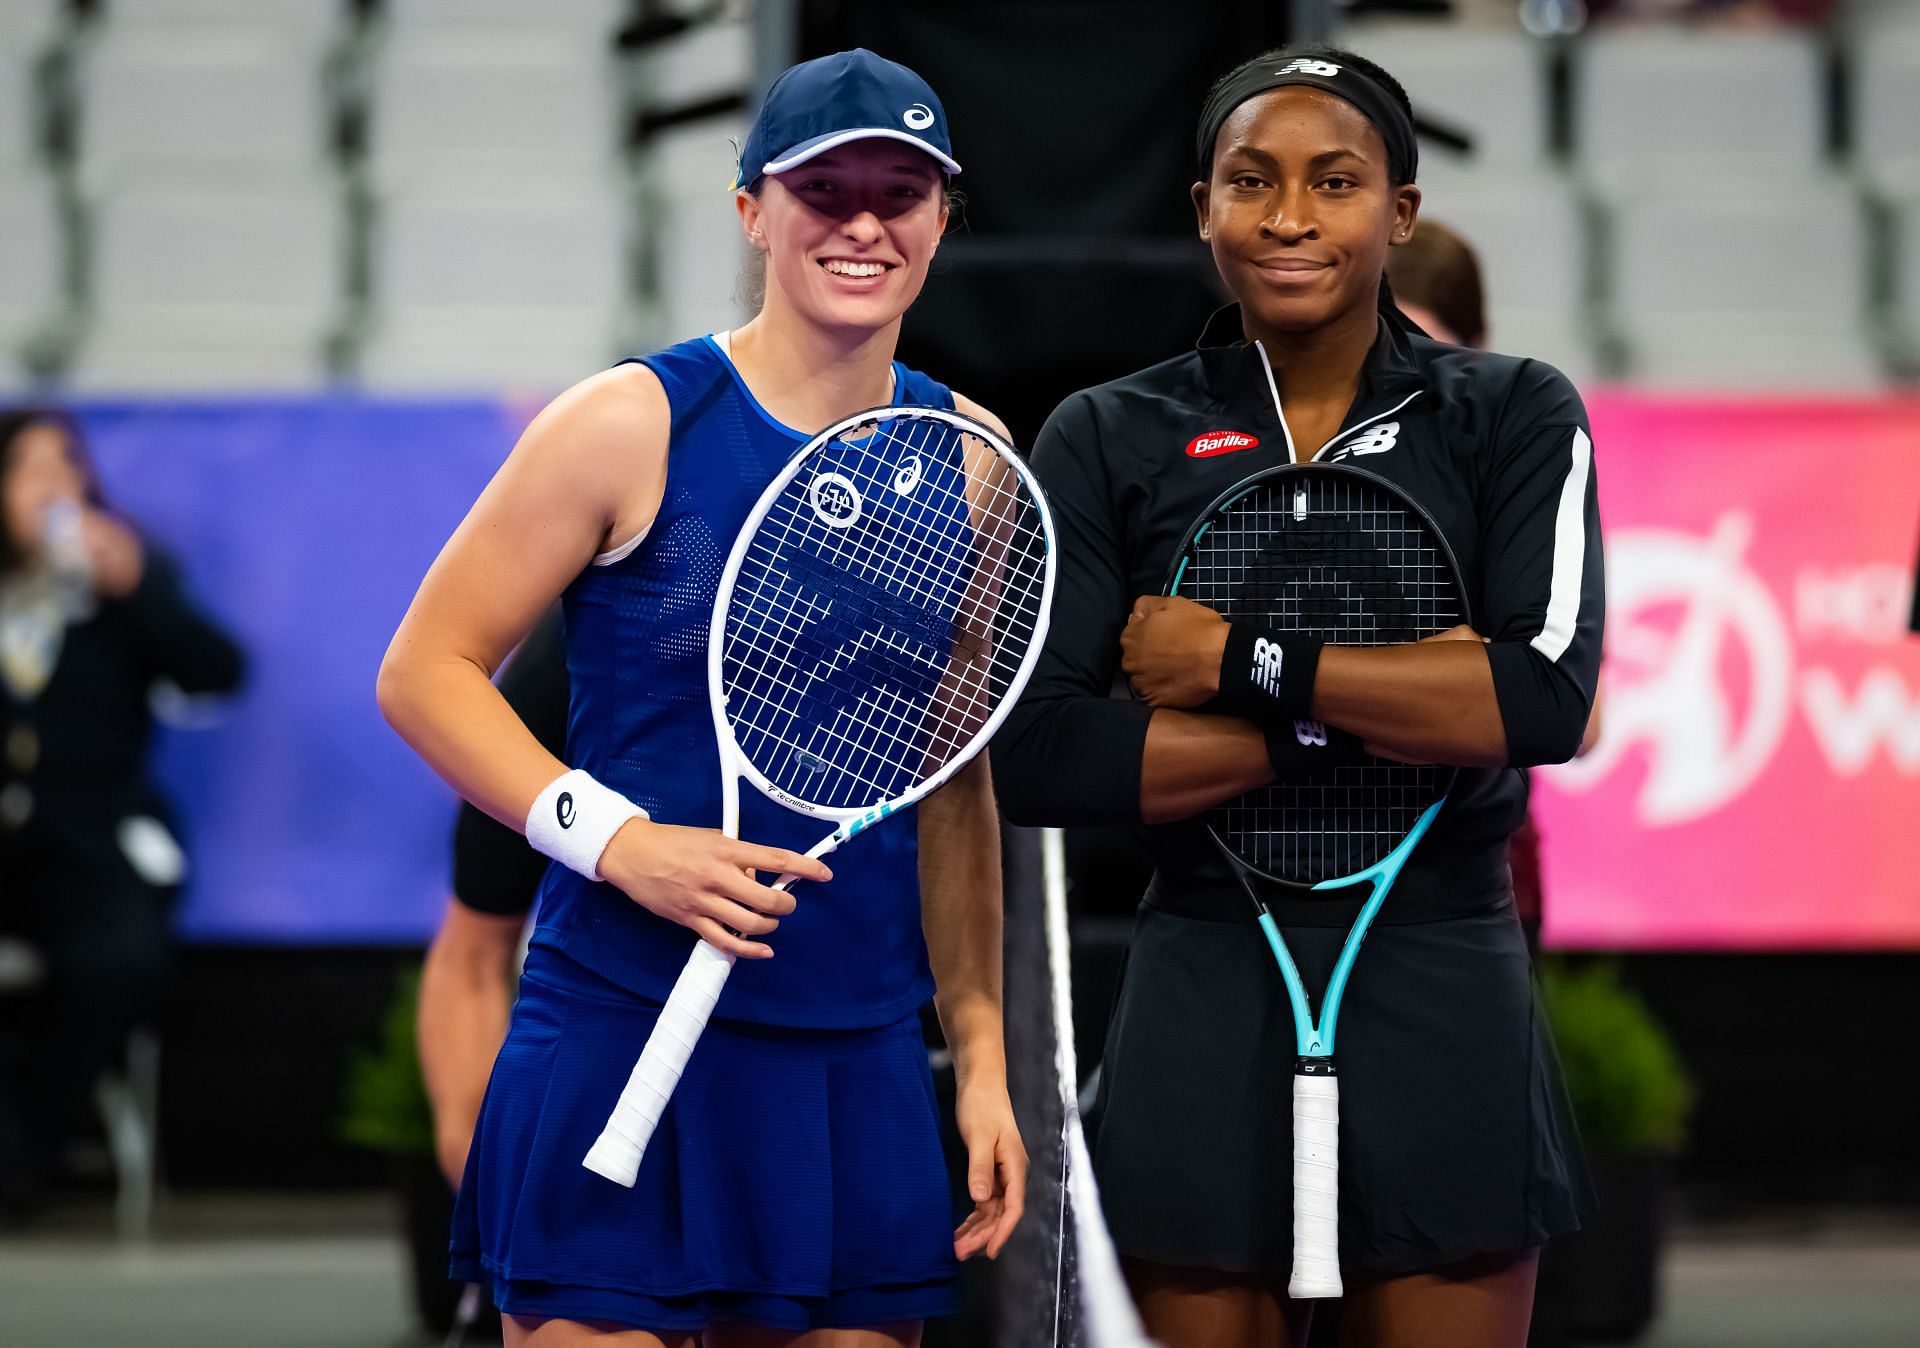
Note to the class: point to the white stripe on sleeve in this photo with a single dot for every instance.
(1569, 554)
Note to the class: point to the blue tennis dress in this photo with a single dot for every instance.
(796, 1179)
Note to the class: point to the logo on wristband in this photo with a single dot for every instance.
(1266, 666)
(563, 809)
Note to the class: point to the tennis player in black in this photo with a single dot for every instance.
(1458, 1156)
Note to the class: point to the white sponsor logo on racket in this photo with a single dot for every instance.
(835, 499)
(919, 117)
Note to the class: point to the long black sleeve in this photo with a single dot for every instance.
(1069, 753)
(1544, 582)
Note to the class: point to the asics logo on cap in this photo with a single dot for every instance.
(1326, 70)
(919, 116)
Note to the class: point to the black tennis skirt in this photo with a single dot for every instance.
(1456, 1138)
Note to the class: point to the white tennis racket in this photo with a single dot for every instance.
(880, 612)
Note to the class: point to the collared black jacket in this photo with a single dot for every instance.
(1497, 449)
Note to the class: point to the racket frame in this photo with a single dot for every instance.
(1316, 1099)
(616, 1154)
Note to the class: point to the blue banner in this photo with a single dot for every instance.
(305, 528)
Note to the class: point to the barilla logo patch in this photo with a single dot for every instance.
(1211, 444)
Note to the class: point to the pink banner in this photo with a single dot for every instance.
(1757, 781)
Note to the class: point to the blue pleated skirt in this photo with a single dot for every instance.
(796, 1180)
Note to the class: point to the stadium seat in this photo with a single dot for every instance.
(1487, 83)
(709, 61)
(1530, 232)
(493, 101)
(212, 285)
(32, 264)
(1906, 270)
(1666, 102)
(17, 98)
(307, 19)
(480, 286)
(201, 95)
(589, 16)
(1744, 287)
(695, 250)
(1886, 107)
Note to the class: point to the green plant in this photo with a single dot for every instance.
(386, 1105)
(1629, 1090)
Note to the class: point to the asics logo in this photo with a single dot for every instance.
(563, 809)
(919, 116)
(909, 476)
(1266, 667)
(1208, 444)
(1373, 440)
(1324, 69)
(834, 499)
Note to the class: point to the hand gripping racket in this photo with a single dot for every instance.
(879, 614)
(1342, 555)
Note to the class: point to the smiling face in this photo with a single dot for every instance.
(850, 233)
(1300, 209)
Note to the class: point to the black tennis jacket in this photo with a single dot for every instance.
(1496, 448)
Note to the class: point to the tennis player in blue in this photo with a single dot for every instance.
(795, 1192)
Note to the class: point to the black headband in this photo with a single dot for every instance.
(1333, 76)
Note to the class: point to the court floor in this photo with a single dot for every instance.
(298, 1271)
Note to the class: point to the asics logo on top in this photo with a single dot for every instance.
(908, 477)
(834, 499)
(919, 116)
(1266, 666)
(1326, 70)
(1373, 440)
(1208, 444)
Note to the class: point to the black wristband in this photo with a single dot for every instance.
(1303, 748)
(1267, 677)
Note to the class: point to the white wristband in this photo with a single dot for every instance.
(575, 818)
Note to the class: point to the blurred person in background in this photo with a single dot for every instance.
(92, 618)
(1437, 283)
(797, 1187)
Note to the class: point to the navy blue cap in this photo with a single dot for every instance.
(830, 100)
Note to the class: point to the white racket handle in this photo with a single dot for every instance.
(1316, 1187)
(617, 1152)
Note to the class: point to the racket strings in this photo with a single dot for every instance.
(882, 610)
(1336, 556)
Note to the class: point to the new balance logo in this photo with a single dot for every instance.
(1266, 666)
(1311, 734)
(1373, 440)
(1324, 69)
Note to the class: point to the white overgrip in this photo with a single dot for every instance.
(1316, 1187)
(616, 1153)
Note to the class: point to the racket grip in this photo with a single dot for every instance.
(1316, 1181)
(616, 1153)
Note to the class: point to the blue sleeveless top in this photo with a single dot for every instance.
(851, 955)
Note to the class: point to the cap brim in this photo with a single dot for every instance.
(807, 149)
